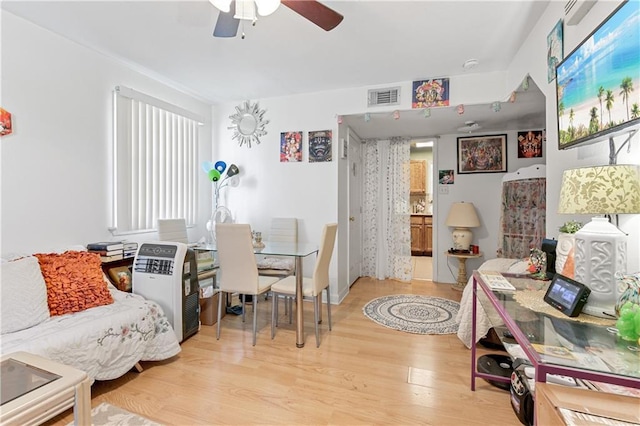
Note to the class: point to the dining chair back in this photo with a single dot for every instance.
(283, 230)
(176, 230)
(238, 270)
(311, 287)
(173, 230)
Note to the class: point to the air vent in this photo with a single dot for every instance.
(379, 97)
(575, 10)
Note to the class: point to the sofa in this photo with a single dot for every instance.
(61, 306)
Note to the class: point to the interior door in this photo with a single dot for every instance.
(355, 206)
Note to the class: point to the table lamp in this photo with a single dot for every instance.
(600, 247)
(462, 216)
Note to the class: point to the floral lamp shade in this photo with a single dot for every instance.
(600, 249)
(612, 189)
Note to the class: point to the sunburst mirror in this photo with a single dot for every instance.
(248, 123)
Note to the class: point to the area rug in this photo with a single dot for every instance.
(414, 314)
(110, 415)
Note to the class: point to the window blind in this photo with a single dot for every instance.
(155, 162)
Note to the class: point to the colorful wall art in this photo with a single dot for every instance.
(290, 147)
(430, 93)
(320, 146)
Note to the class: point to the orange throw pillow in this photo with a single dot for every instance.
(74, 281)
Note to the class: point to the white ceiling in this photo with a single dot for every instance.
(377, 43)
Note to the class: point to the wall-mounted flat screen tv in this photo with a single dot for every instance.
(598, 83)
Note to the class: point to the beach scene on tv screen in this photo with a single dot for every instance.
(598, 84)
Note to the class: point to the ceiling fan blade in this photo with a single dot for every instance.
(316, 12)
(227, 25)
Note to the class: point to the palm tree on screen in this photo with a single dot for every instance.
(600, 95)
(593, 122)
(627, 88)
(609, 104)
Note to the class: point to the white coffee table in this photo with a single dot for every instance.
(35, 389)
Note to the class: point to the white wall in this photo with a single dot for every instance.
(481, 189)
(531, 59)
(56, 164)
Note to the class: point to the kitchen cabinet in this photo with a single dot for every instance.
(421, 235)
(418, 183)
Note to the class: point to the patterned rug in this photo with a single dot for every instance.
(414, 314)
(110, 415)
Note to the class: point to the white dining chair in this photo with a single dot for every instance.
(311, 287)
(282, 230)
(238, 270)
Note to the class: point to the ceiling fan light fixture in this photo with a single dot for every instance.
(245, 10)
(222, 5)
(267, 7)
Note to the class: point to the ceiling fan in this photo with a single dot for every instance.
(469, 126)
(233, 11)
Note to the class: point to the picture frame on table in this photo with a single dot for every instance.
(121, 278)
(482, 154)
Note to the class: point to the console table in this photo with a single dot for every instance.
(596, 352)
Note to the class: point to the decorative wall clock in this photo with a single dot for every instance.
(248, 123)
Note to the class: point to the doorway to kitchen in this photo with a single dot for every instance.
(422, 268)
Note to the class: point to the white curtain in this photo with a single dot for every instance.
(387, 234)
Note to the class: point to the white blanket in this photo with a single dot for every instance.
(105, 341)
(484, 319)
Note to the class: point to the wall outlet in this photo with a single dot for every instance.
(443, 189)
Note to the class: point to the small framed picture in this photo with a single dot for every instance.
(121, 278)
(290, 147)
(482, 154)
(446, 177)
(530, 144)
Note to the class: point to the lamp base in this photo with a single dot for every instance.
(462, 238)
(600, 252)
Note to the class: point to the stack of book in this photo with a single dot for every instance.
(130, 249)
(109, 251)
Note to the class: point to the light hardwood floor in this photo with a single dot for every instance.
(362, 373)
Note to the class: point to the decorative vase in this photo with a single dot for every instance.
(564, 249)
(628, 290)
(257, 240)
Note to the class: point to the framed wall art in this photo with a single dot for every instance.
(290, 147)
(320, 146)
(5, 122)
(430, 93)
(555, 50)
(482, 154)
(446, 177)
(530, 144)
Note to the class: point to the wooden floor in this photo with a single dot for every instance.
(362, 373)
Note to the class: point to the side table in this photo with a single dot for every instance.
(462, 267)
(35, 389)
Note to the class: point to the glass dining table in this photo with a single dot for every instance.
(296, 250)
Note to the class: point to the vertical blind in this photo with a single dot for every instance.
(155, 162)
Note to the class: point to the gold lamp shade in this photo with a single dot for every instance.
(612, 189)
